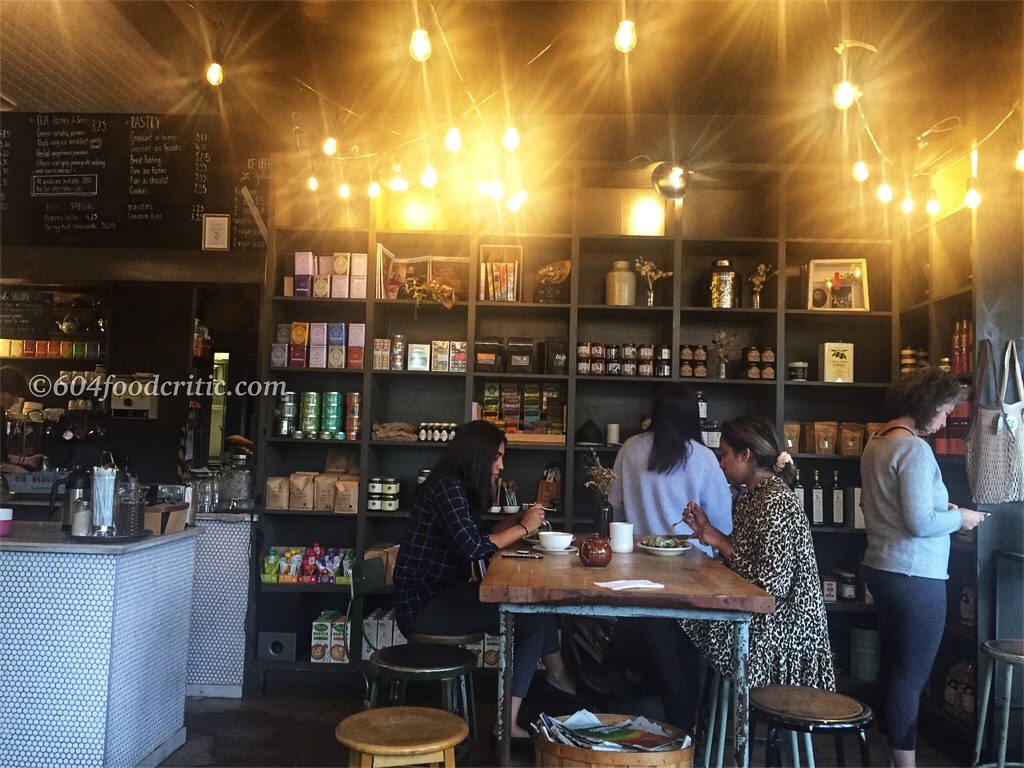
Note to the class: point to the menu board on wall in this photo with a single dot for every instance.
(109, 180)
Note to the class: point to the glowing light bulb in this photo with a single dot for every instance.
(844, 94)
(517, 201)
(972, 198)
(1019, 165)
(511, 139)
(856, 273)
(907, 206)
(419, 45)
(497, 190)
(397, 182)
(373, 190)
(344, 191)
(215, 74)
(885, 193)
(453, 140)
(330, 146)
(932, 206)
(625, 36)
(312, 183)
(484, 188)
(860, 171)
(428, 179)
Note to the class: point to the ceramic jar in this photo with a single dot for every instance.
(620, 285)
(596, 551)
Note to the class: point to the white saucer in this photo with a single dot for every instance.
(567, 551)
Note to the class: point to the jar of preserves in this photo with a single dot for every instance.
(753, 371)
(768, 355)
(645, 368)
(629, 351)
(612, 352)
(375, 485)
(629, 367)
(662, 369)
(685, 369)
(700, 352)
(645, 351)
(582, 349)
(596, 350)
(700, 370)
(374, 501)
(751, 355)
(767, 370)
(685, 353)
(390, 486)
(389, 504)
(663, 352)
(613, 368)
(583, 366)
(597, 367)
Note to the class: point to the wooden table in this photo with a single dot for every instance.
(695, 587)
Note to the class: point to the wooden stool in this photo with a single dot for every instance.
(472, 637)
(810, 710)
(1010, 653)
(401, 736)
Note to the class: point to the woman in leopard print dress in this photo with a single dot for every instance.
(771, 546)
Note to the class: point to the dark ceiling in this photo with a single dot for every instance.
(346, 63)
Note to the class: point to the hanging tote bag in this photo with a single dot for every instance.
(995, 440)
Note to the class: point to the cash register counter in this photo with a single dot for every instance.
(95, 645)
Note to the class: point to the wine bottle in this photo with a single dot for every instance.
(801, 495)
(817, 502)
(702, 406)
(838, 502)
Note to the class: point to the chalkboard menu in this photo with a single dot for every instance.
(141, 181)
(26, 314)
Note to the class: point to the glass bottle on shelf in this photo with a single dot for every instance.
(801, 495)
(702, 405)
(817, 502)
(838, 501)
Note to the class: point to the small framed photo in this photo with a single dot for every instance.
(838, 285)
(419, 357)
(216, 231)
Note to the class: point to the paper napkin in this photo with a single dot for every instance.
(629, 584)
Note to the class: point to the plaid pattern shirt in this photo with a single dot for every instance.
(442, 539)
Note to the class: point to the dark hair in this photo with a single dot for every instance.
(920, 394)
(13, 382)
(757, 434)
(469, 458)
(674, 422)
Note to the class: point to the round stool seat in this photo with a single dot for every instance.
(1010, 651)
(422, 662)
(799, 705)
(401, 731)
(472, 637)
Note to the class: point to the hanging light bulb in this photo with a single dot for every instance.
(453, 139)
(397, 182)
(312, 183)
(428, 179)
(330, 146)
(885, 192)
(496, 190)
(844, 94)
(215, 74)
(861, 171)
(344, 191)
(510, 140)
(907, 206)
(625, 36)
(972, 198)
(419, 45)
(932, 206)
(517, 201)
(373, 190)
(670, 180)
(1019, 165)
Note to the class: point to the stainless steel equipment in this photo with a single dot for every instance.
(77, 485)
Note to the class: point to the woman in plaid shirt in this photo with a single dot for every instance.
(434, 594)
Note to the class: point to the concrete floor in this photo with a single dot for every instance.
(293, 725)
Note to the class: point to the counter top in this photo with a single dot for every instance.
(27, 536)
(226, 517)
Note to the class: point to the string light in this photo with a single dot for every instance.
(215, 74)
(330, 146)
(860, 172)
(419, 45)
(972, 198)
(885, 193)
(844, 95)
(344, 191)
(510, 140)
(312, 183)
(517, 201)
(625, 36)
(907, 206)
(932, 206)
(1019, 165)
(428, 179)
(373, 190)
(397, 182)
(453, 139)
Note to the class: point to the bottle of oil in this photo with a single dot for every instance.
(817, 502)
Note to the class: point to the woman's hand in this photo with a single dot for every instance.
(972, 519)
(532, 518)
(703, 530)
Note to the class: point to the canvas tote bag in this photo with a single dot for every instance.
(995, 440)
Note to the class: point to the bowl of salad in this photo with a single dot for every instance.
(664, 546)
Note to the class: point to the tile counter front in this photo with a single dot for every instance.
(95, 647)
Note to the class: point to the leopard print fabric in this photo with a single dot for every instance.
(772, 547)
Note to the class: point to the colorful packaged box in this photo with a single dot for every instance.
(318, 357)
(318, 334)
(28, 348)
(320, 641)
(336, 357)
(339, 286)
(321, 287)
(439, 355)
(357, 264)
(457, 352)
(296, 355)
(338, 653)
(300, 333)
(288, 286)
(305, 264)
(304, 285)
(356, 339)
(325, 265)
(357, 287)
(279, 355)
(336, 335)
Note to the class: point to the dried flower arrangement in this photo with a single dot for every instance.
(723, 342)
(435, 291)
(762, 274)
(649, 270)
(599, 477)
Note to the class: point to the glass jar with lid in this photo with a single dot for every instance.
(234, 484)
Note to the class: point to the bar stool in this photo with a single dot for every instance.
(810, 710)
(397, 736)
(715, 695)
(1010, 653)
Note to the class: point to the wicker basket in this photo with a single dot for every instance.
(557, 755)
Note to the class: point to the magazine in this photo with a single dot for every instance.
(585, 730)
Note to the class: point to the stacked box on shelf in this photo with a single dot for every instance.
(338, 276)
(511, 407)
(302, 344)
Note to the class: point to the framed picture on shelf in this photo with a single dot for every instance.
(838, 285)
(452, 271)
(501, 269)
(216, 231)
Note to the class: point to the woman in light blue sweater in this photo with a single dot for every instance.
(908, 519)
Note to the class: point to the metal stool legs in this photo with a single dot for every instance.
(718, 689)
(983, 714)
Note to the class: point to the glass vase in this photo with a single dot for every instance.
(649, 297)
(721, 369)
(757, 299)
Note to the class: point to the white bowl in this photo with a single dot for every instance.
(510, 509)
(555, 540)
(495, 510)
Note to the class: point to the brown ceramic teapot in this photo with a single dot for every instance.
(596, 551)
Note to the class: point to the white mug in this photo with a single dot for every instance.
(622, 537)
(613, 434)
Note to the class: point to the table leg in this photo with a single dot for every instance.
(741, 693)
(507, 624)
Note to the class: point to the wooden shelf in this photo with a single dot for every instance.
(636, 309)
(333, 371)
(514, 376)
(311, 441)
(725, 312)
(418, 374)
(309, 513)
(317, 300)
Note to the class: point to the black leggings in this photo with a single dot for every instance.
(911, 619)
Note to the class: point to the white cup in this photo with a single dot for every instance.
(613, 434)
(622, 537)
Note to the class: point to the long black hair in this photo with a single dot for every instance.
(675, 422)
(469, 458)
(758, 435)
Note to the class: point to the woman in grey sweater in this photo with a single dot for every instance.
(908, 519)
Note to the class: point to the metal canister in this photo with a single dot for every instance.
(397, 354)
(582, 349)
(583, 366)
(662, 369)
(724, 285)
(629, 367)
(645, 368)
(283, 427)
(596, 350)
(646, 352)
(597, 366)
